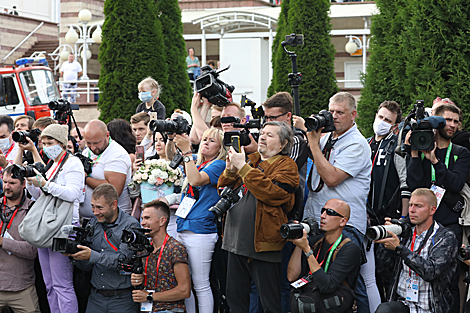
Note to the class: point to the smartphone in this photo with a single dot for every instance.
(139, 152)
(236, 143)
(153, 115)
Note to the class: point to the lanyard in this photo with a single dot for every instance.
(376, 153)
(109, 242)
(200, 167)
(12, 217)
(98, 156)
(158, 262)
(9, 150)
(330, 254)
(433, 172)
(49, 176)
(429, 232)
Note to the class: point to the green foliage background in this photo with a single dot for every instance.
(133, 48)
(419, 50)
(315, 58)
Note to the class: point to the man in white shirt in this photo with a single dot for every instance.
(70, 71)
(111, 164)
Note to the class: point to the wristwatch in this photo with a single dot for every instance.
(308, 253)
(149, 297)
(399, 249)
(186, 159)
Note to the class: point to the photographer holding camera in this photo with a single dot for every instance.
(234, 110)
(17, 289)
(444, 170)
(330, 262)
(266, 184)
(111, 290)
(111, 164)
(8, 148)
(166, 286)
(425, 262)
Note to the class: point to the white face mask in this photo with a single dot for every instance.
(52, 152)
(381, 128)
(4, 144)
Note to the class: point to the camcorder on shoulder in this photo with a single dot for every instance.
(178, 125)
(323, 119)
(210, 86)
(399, 227)
(137, 241)
(69, 245)
(22, 171)
(21, 135)
(296, 230)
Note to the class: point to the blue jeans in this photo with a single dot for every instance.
(362, 300)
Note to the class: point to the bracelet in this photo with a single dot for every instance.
(403, 216)
(39, 182)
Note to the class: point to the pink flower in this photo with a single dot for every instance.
(159, 181)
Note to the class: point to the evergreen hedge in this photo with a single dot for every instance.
(419, 50)
(315, 59)
(132, 49)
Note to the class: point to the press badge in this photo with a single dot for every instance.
(412, 287)
(7, 235)
(146, 306)
(185, 206)
(439, 192)
(301, 282)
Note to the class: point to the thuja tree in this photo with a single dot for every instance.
(315, 58)
(178, 87)
(131, 49)
(386, 68)
(419, 51)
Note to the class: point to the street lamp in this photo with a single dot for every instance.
(84, 36)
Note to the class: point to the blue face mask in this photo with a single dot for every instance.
(145, 96)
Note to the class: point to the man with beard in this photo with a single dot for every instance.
(444, 170)
(17, 256)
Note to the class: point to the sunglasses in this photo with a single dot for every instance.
(331, 212)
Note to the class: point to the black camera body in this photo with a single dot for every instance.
(229, 198)
(422, 134)
(69, 245)
(178, 125)
(86, 161)
(252, 123)
(211, 87)
(244, 136)
(296, 230)
(22, 171)
(136, 241)
(323, 119)
(60, 105)
(399, 227)
(20, 135)
(256, 112)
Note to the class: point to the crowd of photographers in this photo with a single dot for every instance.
(276, 213)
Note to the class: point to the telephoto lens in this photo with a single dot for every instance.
(296, 230)
(398, 227)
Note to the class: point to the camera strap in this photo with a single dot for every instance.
(9, 150)
(326, 152)
(446, 162)
(330, 252)
(158, 262)
(193, 191)
(55, 171)
(423, 243)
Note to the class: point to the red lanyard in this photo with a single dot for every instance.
(200, 167)
(376, 153)
(318, 254)
(9, 150)
(56, 167)
(109, 242)
(413, 245)
(12, 217)
(158, 262)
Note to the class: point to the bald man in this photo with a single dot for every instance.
(314, 260)
(111, 164)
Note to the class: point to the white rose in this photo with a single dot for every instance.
(134, 178)
(138, 176)
(145, 176)
(154, 162)
(163, 175)
(152, 180)
(155, 172)
(148, 162)
(178, 182)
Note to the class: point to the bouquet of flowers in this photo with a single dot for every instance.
(157, 172)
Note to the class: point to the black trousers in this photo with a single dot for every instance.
(241, 271)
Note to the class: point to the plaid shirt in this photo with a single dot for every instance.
(425, 290)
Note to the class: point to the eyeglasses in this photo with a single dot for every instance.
(331, 212)
(273, 118)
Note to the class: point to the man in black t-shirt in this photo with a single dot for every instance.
(314, 258)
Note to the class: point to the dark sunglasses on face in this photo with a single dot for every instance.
(331, 212)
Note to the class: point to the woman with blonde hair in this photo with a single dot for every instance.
(197, 228)
(149, 92)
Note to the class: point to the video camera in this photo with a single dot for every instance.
(21, 135)
(323, 119)
(399, 227)
(136, 241)
(86, 161)
(69, 245)
(178, 125)
(22, 171)
(296, 230)
(256, 112)
(229, 198)
(211, 87)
